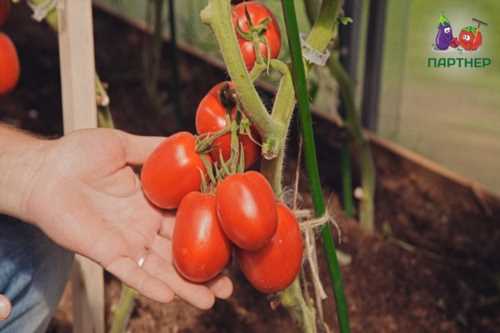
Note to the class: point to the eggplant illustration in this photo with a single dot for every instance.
(445, 34)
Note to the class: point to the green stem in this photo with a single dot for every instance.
(292, 298)
(283, 107)
(360, 143)
(217, 14)
(273, 171)
(345, 170)
(319, 39)
(325, 26)
(123, 311)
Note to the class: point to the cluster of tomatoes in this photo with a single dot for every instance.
(9, 61)
(231, 208)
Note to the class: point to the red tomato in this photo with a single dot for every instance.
(4, 11)
(200, 248)
(9, 64)
(274, 267)
(247, 209)
(258, 13)
(173, 170)
(211, 117)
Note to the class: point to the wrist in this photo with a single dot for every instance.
(21, 156)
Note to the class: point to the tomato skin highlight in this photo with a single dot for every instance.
(211, 116)
(4, 11)
(200, 248)
(275, 266)
(9, 65)
(257, 12)
(247, 209)
(173, 170)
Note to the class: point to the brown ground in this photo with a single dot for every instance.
(434, 269)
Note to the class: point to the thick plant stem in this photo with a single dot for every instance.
(217, 14)
(283, 107)
(346, 174)
(317, 41)
(123, 311)
(293, 299)
(360, 144)
(325, 26)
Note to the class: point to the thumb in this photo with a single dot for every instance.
(5, 307)
(137, 148)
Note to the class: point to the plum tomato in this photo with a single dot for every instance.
(275, 266)
(200, 248)
(173, 170)
(258, 14)
(211, 116)
(9, 64)
(247, 209)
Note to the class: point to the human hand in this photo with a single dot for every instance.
(85, 196)
(5, 307)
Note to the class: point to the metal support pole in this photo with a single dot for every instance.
(373, 63)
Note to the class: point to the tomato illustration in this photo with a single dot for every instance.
(212, 116)
(200, 248)
(470, 38)
(275, 266)
(247, 209)
(173, 170)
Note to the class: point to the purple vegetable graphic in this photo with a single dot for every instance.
(445, 34)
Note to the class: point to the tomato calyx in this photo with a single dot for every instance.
(223, 168)
(205, 141)
(256, 35)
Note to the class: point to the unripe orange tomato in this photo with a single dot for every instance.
(200, 248)
(275, 266)
(9, 64)
(211, 116)
(247, 209)
(173, 170)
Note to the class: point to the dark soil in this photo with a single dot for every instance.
(431, 267)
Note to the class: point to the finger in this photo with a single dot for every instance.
(196, 294)
(221, 286)
(162, 247)
(167, 225)
(138, 148)
(5, 307)
(137, 278)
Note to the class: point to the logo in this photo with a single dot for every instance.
(469, 39)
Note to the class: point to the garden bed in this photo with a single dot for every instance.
(432, 266)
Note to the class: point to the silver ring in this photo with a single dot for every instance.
(141, 261)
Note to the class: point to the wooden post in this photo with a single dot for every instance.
(76, 52)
